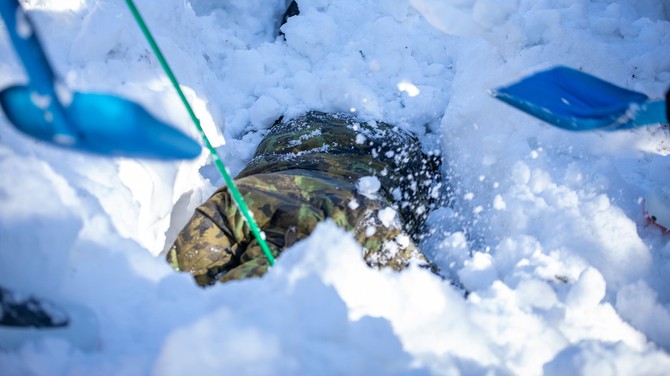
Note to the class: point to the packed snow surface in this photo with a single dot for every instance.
(549, 265)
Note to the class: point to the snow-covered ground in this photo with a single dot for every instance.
(546, 228)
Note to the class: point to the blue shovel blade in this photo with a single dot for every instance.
(573, 100)
(104, 124)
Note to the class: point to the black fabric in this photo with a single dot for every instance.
(291, 11)
(29, 312)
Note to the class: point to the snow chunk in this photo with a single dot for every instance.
(368, 186)
(388, 217)
(478, 272)
(302, 36)
(638, 304)
(264, 112)
(409, 88)
(360, 139)
(499, 203)
(521, 173)
(595, 358)
(588, 291)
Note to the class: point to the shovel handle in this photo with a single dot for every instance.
(22, 34)
(42, 79)
(651, 113)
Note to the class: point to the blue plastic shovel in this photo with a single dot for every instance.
(574, 100)
(97, 123)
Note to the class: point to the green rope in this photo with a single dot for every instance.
(242, 206)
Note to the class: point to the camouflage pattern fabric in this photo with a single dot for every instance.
(304, 171)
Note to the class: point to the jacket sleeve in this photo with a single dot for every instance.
(208, 245)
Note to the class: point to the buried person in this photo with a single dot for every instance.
(370, 178)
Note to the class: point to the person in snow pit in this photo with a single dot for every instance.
(305, 170)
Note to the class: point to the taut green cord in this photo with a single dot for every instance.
(241, 205)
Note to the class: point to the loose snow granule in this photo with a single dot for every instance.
(368, 186)
(390, 250)
(353, 204)
(499, 203)
(63, 93)
(435, 191)
(360, 139)
(305, 137)
(469, 196)
(409, 88)
(387, 216)
(402, 240)
(397, 194)
(370, 230)
(39, 100)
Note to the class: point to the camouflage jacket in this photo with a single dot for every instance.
(305, 170)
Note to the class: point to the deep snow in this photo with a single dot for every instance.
(546, 229)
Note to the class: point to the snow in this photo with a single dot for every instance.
(549, 264)
(368, 186)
